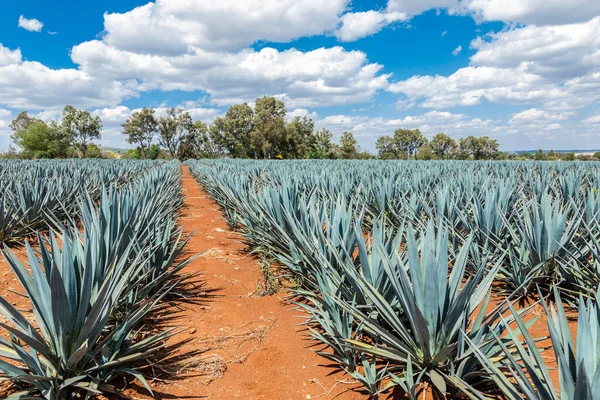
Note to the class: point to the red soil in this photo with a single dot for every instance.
(255, 339)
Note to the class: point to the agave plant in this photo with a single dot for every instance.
(578, 360)
(545, 232)
(435, 302)
(78, 350)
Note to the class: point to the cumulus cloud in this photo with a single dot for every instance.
(361, 24)
(32, 25)
(537, 12)
(303, 79)
(553, 66)
(32, 85)
(171, 26)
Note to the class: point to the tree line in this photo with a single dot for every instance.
(259, 132)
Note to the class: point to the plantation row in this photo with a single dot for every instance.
(32, 193)
(410, 273)
(94, 277)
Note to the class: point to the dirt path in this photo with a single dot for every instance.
(254, 341)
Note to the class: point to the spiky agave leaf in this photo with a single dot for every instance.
(578, 360)
(77, 342)
(436, 300)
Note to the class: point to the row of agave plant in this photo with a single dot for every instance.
(92, 282)
(32, 191)
(410, 272)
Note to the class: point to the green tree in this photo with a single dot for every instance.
(552, 156)
(540, 155)
(21, 124)
(154, 152)
(478, 148)
(568, 156)
(42, 140)
(386, 148)
(267, 140)
(93, 151)
(231, 134)
(298, 138)
(140, 129)
(443, 145)
(348, 146)
(409, 140)
(197, 143)
(172, 128)
(426, 153)
(322, 146)
(526, 156)
(81, 127)
(596, 155)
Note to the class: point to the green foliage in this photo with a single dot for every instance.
(42, 140)
(140, 129)
(348, 148)
(477, 148)
(81, 127)
(409, 140)
(443, 146)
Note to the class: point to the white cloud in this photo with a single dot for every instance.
(444, 33)
(323, 76)
(538, 12)
(171, 27)
(416, 7)
(556, 67)
(302, 112)
(8, 56)
(592, 120)
(471, 85)
(553, 52)
(457, 51)
(536, 114)
(361, 24)
(32, 25)
(32, 85)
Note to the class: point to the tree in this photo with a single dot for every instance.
(443, 145)
(478, 148)
(540, 155)
(42, 140)
(409, 140)
(81, 127)
(552, 156)
(197, 143)
(298, 138)
(321, 146)
(425, 153)
(140, 129)
(21, 124)
(348, 146)
(268, 137)
(568, 156)
(596, 155)
(386, 148)
(231, 133)
(172, 128)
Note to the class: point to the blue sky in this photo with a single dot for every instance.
(526, 72)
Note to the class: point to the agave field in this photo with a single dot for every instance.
(424, 275)
(102, 251)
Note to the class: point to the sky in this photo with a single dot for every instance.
(525, 72)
